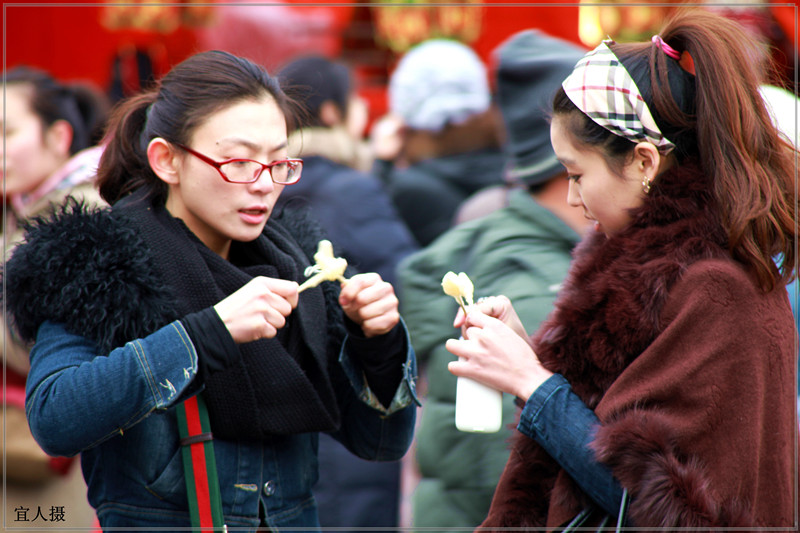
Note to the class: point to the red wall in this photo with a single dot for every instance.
(74, 42)
(71, 42)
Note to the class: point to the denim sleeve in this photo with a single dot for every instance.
(557, 418)
(406, 392)
(77, 398)
(370, 430)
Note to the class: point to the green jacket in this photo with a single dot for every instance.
(521, 251)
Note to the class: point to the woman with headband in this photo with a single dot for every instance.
(663, 382)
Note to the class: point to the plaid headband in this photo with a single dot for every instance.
(602, 88)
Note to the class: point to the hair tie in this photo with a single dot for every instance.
(683, 58)
(671, 52)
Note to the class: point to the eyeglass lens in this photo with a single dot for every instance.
(249, 171)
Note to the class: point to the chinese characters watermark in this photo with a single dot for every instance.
(56, 514)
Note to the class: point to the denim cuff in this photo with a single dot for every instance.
(556, 418)
(167, 378)
(406, 392)
(529, 418)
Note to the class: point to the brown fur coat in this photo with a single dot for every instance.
(689, 367)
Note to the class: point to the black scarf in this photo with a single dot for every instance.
(153, 270)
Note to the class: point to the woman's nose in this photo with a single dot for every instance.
(264, 183)
(573, 196)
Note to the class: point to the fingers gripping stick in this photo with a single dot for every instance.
(326, 267)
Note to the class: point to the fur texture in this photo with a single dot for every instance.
(89, 271)
(610, 311)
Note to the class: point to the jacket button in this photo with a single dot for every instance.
(269, 488)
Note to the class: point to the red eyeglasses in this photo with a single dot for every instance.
(283, 172)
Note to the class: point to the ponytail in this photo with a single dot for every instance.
(123, 166)
(751, 163)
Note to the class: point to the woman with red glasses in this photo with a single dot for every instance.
(173, 348)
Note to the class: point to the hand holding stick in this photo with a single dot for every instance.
(326, 267)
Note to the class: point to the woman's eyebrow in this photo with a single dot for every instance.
(253, 146)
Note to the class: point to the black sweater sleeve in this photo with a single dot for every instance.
(215, 347)
(381, 357)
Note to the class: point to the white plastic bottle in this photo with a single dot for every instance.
(479, 409)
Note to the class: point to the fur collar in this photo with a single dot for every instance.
(62, 274)
(608, 311)
(336, 144)
(606, 314)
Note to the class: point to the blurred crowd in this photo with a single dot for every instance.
(459, 175)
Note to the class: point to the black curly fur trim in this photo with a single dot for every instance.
(87, 269)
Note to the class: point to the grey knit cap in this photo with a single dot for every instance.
(530, 68)
(438, 82)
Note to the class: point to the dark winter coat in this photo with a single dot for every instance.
(689, 366)
(428, 193)
(87, 281)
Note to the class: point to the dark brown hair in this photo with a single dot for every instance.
(719, 118)
(80, 104)
(192, 91)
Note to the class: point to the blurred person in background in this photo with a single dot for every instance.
(337, 187)
(51, 151)
(439, 143)
(358, 215)
(521, 250)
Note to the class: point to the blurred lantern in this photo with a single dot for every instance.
(399, 26)
(619, 20)
(159, 16)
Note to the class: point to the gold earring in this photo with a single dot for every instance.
(646, 184)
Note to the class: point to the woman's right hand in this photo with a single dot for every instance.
(494, 354)
(259, 309)
(498, 307)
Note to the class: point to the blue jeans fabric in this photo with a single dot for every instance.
(564, 426)
(118, 412)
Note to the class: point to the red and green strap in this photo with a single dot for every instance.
(199, 465)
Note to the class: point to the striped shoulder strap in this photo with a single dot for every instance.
(199, 465)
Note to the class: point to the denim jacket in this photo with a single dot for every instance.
(119, 413)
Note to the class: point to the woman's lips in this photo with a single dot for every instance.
(253, 215)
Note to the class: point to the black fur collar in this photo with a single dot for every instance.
(88, 269)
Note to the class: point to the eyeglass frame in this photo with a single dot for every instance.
(264, 166)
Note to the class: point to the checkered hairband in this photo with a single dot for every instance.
(602, 88)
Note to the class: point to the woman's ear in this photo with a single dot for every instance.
(647, 160)
(58, 136)
(329, 114)
(163, 160)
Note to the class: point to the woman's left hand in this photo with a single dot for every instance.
(371, 303)
(494, 354)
